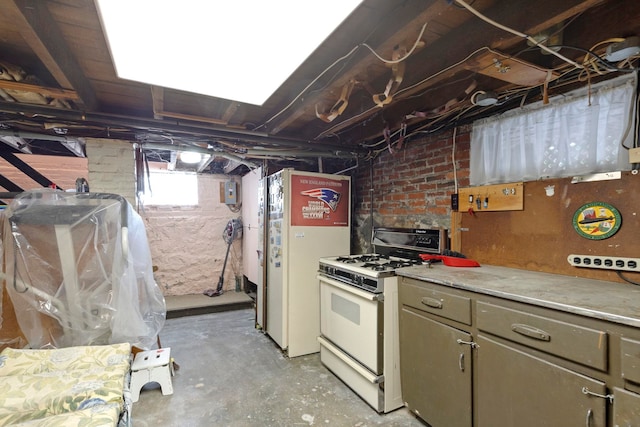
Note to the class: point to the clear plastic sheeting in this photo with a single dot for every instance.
(78, 270)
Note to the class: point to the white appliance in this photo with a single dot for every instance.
(359, 340)
(309, 217)
(253, 213)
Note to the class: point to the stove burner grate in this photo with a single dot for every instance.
(377, 267)
(368, 258)
(399, 264)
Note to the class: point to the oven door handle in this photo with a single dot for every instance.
(369, 296)
(365, 373)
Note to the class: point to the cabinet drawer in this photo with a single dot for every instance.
(630, 354)
(424, 297)
(573, 342)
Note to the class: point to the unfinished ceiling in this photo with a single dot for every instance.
(392, 71)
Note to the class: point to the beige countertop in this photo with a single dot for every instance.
(612, 301)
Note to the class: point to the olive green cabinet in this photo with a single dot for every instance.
(436, 355)
(517, 389)
(436, 372)
(626, 404)
(474, 360)
(626, 408)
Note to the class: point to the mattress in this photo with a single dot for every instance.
(73, 386)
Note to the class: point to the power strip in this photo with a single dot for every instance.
(606, 262)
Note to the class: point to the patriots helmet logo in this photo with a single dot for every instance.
(330, 197)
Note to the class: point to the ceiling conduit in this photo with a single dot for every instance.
(173, 126)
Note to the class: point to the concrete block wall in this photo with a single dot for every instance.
(187, 245)
(185, 241)
(112, 167)
(411, 187)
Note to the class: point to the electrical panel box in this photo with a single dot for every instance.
(229, 192)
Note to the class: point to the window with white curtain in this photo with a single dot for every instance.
(577, 133)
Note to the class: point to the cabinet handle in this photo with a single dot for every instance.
(431, 302)
(530, 331)
(589, 417)
(588, 392)
(461, 362)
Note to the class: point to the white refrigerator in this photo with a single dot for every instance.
(309, 217)
(253, 215)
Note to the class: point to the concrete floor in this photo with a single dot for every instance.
(231, 374)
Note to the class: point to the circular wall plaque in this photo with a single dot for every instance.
(597, 220)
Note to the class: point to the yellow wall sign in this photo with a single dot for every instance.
(597, 220)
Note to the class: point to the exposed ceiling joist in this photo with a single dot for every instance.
(475, 35)
(49, 91)
(358, 72)
(327, 108)
(192, 129)
(157, 95)
(157, 101)
(40, 31)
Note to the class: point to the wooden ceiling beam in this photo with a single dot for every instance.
(603, 22)
(554, 12)
(471, 36)
(230, 111)
(361, 69)
(159, 113)
(157, 101)
(48, 91)
(39, 30)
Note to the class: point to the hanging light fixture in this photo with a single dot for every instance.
(484, 98)
(190, 157)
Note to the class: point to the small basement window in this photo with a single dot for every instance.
(167, 188)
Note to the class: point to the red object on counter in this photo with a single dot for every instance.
(450, 261)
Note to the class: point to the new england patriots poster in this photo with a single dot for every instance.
(319, 201)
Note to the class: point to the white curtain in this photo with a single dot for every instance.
(575, 134)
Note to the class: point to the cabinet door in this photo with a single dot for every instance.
(435, 370)
(517, 389)
(626, 408)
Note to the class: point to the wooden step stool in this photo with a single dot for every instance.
(151, 366)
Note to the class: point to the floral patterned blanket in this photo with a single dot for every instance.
(74, 386)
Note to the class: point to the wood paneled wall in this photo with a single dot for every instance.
(541, 236)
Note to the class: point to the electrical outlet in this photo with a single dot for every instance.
(634, 155)
(454, 202)
(605, 262)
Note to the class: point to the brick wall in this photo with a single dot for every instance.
(112, 167)
(410, 188)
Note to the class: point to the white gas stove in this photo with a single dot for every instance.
(363, 271)
(359, 339)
